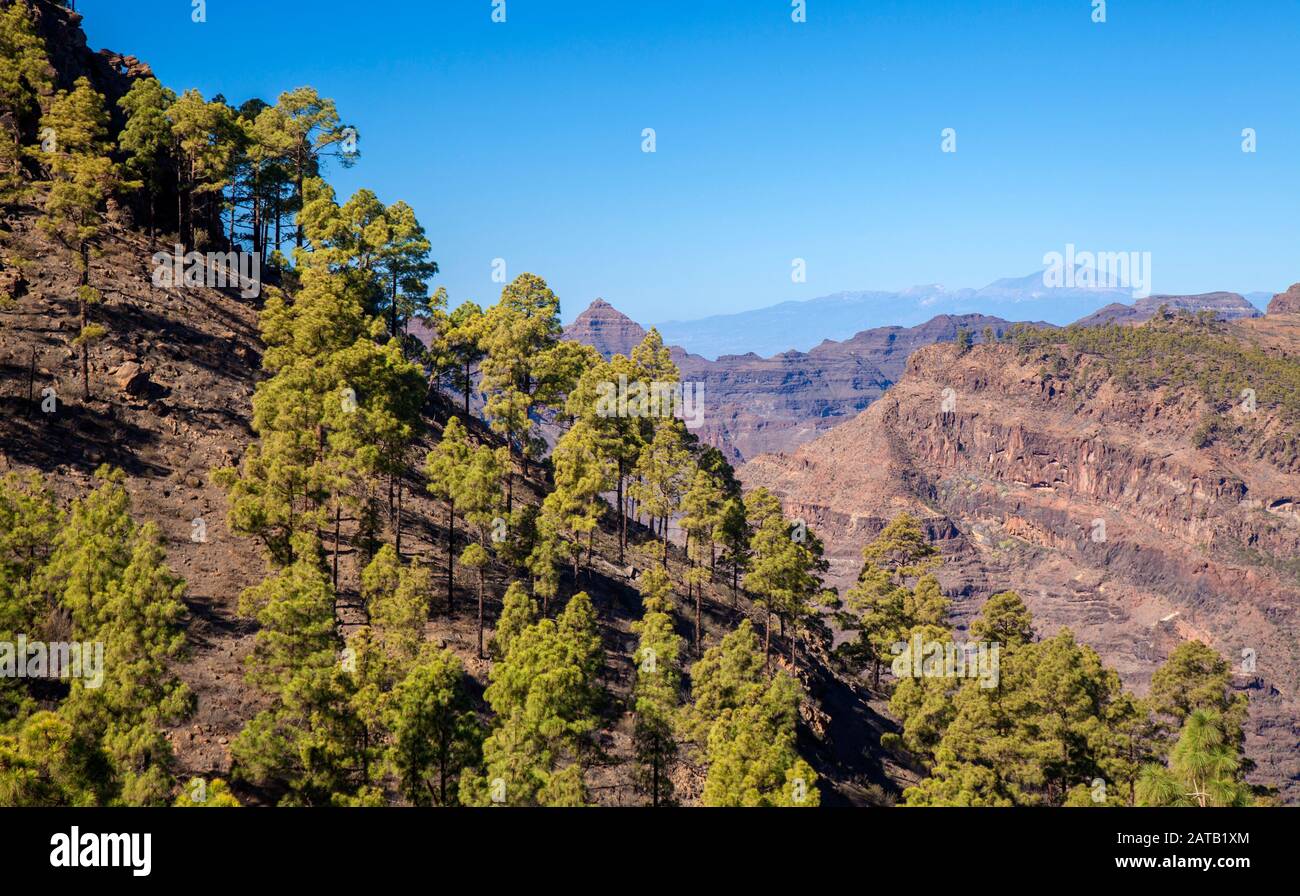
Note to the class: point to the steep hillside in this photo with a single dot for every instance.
(1094, 487)
(171, 386)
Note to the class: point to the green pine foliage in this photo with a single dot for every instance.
(95, 578)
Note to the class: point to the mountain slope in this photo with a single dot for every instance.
(1045, 470)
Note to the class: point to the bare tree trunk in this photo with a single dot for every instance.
(451, 555)
(480, 612)
(699, 604)
(468, 381)
(767, 637)
(338, 515)
(622, 516)
(85, 344)
(398, 534)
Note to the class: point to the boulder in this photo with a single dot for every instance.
(129, 377)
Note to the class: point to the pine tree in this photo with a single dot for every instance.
(526, 368)
(1196, 677)
(702, 520)
(83, 177)
(207, 141)
(546, 695)
(902, 550)
(468, 478)
(518, 612)
(728, 676)
(458, 344)
(655, 690)
(1039, 737)
(784, 573)
(312, 122)
(311, 745)
(396, 596)
(436, 733)
(147, 139)
(735, 535)
(1204, 767)
(26, 77)
(263, 175)
(752, 756)
(1004, 620)
(44, 763)
(139, 696)
(91, 550)
(618, 437)
(663, 474)
(404, 266)
(29, 522)
(572, 509)
(923, 705)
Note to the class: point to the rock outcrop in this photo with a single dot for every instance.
(1286, 302)
(1224, 305)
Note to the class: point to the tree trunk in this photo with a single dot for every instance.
(442, 774)
(398, 534)
(622, 516)
(338, 516)
(85, 345)
(480, 612)
(699, 604)
(468, 381)
(298, 182)
(767, 637)
(393, 308)
(655, 784)
(451, 555)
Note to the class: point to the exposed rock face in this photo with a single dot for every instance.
(754, 405)
(1225, 305)
(1286, 302)
(109, 72)
(1091, 501)
(606, 329)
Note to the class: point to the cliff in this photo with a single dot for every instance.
(1091, 497)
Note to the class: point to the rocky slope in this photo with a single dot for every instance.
(1089, 498)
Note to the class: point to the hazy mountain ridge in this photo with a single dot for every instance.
(800, 325)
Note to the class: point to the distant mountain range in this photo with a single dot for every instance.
(756, 405)
(802, 325)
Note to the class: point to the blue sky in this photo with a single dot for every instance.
(778, 140)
